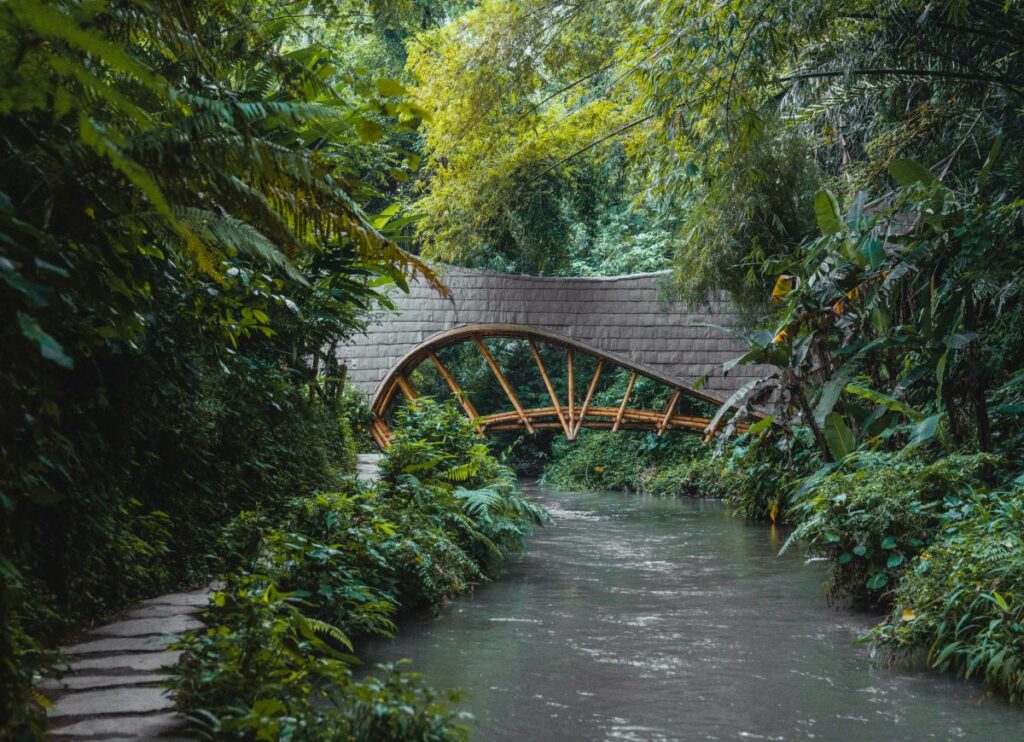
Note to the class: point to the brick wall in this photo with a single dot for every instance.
(623, 315)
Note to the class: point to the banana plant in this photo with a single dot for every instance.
(874, 319)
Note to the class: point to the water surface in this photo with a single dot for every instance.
(636, 618)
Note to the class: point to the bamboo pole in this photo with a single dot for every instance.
(590, 395)
(407, 390)
(381, 434)
(547, 384)
(572, 390)
(460, 395)
(503, 382)
(625, 401)
(668, 411)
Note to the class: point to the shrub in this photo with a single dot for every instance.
(263, 669)
(872, 519)
(319, 571)
(962, 605)
(751, 479)
(633, 461)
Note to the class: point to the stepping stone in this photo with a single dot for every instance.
(146, 626)
(146, 662)
(122, 644)
(89, 682)
(163, 609)
(195, 598)
(368, 467)
(125, 727)
(112, 701)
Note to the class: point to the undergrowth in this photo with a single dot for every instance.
(310, 579)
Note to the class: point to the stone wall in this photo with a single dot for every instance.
(623, 315)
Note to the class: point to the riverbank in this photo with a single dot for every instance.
(314, 579)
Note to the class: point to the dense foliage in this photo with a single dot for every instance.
(961, 604)
(180, 235)
(634, 462)
(874, 517)
(318, 573)
(199, 202)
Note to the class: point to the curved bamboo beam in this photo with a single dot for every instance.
(590, 395)
(625, 401)
(460, 395)
(668, 412)
(570, 419)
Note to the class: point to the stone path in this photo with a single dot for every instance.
(368, 466)
(112, 686)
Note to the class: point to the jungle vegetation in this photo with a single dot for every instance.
(200, 201)
(196, 207)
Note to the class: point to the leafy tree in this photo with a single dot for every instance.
(180, 232)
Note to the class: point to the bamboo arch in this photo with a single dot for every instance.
(564, 414)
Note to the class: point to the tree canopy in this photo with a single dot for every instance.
(725, 117)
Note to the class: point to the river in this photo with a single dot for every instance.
(636, 618)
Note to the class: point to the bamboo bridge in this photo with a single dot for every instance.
(623, 322)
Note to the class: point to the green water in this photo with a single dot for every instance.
(637, 618)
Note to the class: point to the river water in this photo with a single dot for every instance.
(635, 618)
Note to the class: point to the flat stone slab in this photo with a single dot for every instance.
(122, 644)
(147, 626)
(145, 662)
(112, 701)
(194, 598)
(125, 727)
(114, 686)
(368, 467)
(161, 610)
(90, 682)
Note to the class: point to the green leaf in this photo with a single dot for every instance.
(946, 652)
(369, 131)
(826, 209)
(860, 550)
(940, 375)
(907, 172)
(894, 560)
(885, 400)
(888, 542)
(925, 430)
(874, 252)
(840, 438)
(993, 158)
(390, 88)
(48, 345)
(763, 424)
(877, 581)
(831, 392)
